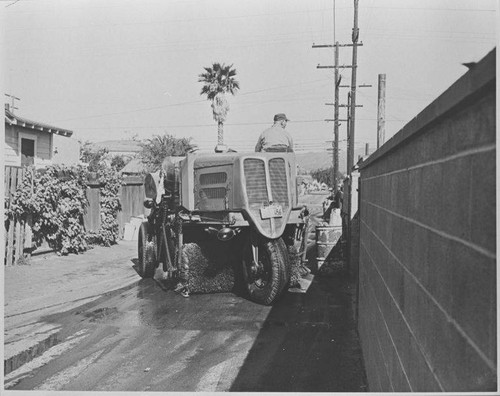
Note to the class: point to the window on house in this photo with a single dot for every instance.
(27, 151)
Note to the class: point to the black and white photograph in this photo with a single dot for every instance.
(287, 196)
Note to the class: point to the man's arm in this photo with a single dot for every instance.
(290, 141)
(258, 146)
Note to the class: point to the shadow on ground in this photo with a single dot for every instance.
(308, 343)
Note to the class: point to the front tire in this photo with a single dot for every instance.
(147, 251)
(264, 281)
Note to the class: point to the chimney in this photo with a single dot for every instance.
(7, 107)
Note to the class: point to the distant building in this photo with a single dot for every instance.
(34, 143)
(134, 166)
(126, 148)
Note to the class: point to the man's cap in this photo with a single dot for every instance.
(280, 116)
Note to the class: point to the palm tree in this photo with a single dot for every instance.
(219, 80)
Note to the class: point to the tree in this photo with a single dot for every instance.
(325, 176)
(93, 155)
(219, 80)
(118, 162)
(156, 149)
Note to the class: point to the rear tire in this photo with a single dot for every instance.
(147, 251)
(265, 284)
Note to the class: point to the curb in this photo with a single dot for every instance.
(23, 357)
(40, 346)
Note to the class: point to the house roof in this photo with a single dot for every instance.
(135, 165)
(12, 119)
(130, 146)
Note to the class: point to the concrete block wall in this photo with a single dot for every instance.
(427, 258)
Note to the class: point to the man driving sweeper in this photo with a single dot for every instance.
(276, 138)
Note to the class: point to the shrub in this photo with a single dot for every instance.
(325, 176)
(56, 200)
(156, 149)
(93, 155)
(110, 181)
(118, 162)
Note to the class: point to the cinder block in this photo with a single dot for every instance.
(436, 141)
(401, 245)
(457, 363)
(458, 198)
(464, 284)
(415, 203)
(452, 358)
(397, 282)
(474, 296)
(418, 247)
(439, 269)
(402, 336)
(476, 125)
(483, 200)
(419, 374)
(401, 205)
(380, 360)
(432, 178)
(454, 217)
(386, 232)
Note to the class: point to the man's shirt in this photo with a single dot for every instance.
(274, 136)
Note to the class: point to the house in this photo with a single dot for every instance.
(34, 143)
(133, 167)
(125, 148)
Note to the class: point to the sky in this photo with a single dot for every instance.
(123, 69)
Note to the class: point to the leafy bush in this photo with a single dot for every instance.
(118, 162)
(325, 176)
(56, 200)
(156, 149)
(110, 181)
(93, 155)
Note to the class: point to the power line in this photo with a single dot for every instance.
(432, 9)
(184, 20)
(180, 103)
(15, 1)
(212, 125)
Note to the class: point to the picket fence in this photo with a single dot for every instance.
(17, 231)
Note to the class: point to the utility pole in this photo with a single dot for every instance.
(336, 104)
(381, 111)
(351, 139)
(336, 122)
(348, 126)
(352, 104)
(12, 107)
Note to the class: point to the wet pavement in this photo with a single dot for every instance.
(149, 339)
(54, 284)
(145, 338)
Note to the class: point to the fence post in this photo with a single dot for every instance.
(13, 178)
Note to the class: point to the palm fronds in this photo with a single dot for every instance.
(217, 81)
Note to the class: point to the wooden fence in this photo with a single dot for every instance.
(18, 233)
(131, 200)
